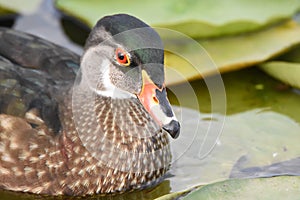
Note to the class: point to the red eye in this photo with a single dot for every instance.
(122, 57)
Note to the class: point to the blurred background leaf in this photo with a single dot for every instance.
(19, 6)
(287, 72)
(262, 33)
(195, 18)
(232, 53)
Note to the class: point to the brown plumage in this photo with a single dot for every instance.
(35, 160)
(57, 137)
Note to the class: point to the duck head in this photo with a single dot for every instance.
(124, 58)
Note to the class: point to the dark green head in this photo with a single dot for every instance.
(140, 40)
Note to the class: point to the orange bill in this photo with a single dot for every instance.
(155, 101)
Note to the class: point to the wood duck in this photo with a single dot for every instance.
(100, 128)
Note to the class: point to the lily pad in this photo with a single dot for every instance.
(259, 137)
(283, 187)
(287, 72)
(239, 139)
(285, 68)
(227, 53)
(194, 18)
(187, 60)
(5, 11)
(19, 6)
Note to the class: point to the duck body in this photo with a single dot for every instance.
(62, 134)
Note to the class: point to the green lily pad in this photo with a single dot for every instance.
(194, 18)
(285, 68)
(19, 6)
(5, 11)
(229, 53)
(287, 72)
(283, 187)
(244, 142)
(215, 55)
(259, 137)
(173, 195)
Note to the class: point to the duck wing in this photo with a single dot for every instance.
(33, 72)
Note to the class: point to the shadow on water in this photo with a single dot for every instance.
(8, 20)
(71, 26)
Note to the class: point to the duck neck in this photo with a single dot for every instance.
(118, 133)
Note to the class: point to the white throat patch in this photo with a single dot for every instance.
(99, 72)
(110, 89)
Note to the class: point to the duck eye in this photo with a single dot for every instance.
(122, 57)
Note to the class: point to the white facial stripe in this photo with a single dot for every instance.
(115, 94)
(91, 66)
(110, 89)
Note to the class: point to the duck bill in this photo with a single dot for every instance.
(155, 101)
